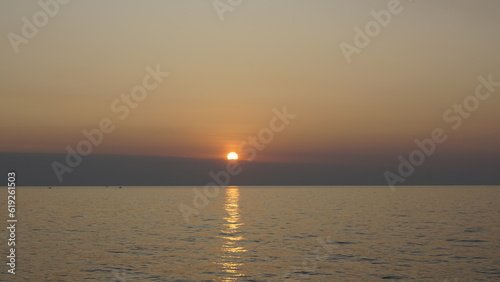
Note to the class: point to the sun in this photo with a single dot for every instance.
(232, 156)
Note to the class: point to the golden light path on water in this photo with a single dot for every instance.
(231, 249)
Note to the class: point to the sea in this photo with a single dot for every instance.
(235, 233)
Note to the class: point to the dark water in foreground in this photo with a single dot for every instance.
(256, 234)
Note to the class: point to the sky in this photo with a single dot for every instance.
(228, 70)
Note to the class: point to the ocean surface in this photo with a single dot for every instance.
(440, 233)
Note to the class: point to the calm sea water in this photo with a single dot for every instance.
(256, 234)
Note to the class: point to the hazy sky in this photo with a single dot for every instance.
(227, 76)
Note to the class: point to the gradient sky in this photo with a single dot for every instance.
(227, 76)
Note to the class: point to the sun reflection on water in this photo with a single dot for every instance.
(231, 250)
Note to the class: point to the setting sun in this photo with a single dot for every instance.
(232, 156)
